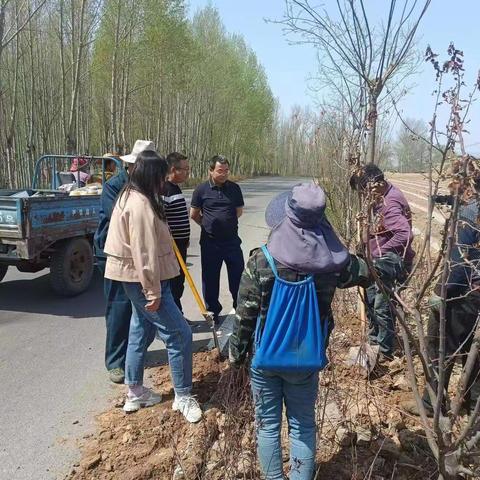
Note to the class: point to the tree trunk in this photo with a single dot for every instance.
(372, 121)
(11, 128)
(33, 87)
(64, 73)
(114, 84)
(2, 122)
(71, 141)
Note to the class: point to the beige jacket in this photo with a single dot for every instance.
(139, 246)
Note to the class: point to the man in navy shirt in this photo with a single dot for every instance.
(216, 206)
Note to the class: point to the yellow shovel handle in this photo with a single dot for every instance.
(189, 278)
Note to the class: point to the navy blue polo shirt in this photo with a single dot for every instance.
(219, 208)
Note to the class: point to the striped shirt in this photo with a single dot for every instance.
(176, 211)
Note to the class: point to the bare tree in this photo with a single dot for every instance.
(365, 58)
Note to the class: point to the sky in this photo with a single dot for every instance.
(289, 67)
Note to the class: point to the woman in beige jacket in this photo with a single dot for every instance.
(140, 255)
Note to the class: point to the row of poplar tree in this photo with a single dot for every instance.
(91, 76)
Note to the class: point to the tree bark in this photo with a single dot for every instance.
(77, 52)
(11, 127)
(114, 83)
(372, 122)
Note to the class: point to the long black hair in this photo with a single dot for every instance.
(147, 177)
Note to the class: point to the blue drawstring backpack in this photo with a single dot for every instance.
(294, 336)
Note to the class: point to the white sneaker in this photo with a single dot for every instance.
(189, 407)
(147, 399)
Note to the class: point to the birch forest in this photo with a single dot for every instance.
(91, 76)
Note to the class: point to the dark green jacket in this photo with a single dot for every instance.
(256, 288)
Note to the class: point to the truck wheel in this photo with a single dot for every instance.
(71, 268)
(3, 271)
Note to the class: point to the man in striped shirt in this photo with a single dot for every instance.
(177, 214)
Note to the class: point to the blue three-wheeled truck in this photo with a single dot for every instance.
(52, 224)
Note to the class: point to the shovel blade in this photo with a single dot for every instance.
(210, 319)
(224, 332)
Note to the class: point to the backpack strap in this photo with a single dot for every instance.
(270, 260)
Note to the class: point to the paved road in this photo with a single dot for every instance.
(51, 356)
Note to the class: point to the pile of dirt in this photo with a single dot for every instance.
(362, 430)
(158, 443)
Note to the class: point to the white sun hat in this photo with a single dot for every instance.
(139, 147)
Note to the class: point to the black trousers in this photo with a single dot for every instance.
(214, 253)
(461, 317)
(177, 284)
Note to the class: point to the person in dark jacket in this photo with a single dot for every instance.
(462, 293)
(302, 242)
(390, 247)
(118, 307)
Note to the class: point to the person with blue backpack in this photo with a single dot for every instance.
(283, 321)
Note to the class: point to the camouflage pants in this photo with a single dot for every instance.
(390, 269)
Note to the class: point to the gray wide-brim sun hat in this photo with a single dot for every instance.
(301, 237)
(275, 211)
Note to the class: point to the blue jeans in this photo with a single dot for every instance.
(172, 329)
(299, 392)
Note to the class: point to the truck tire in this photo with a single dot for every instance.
(3, 271)
(71, 267)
